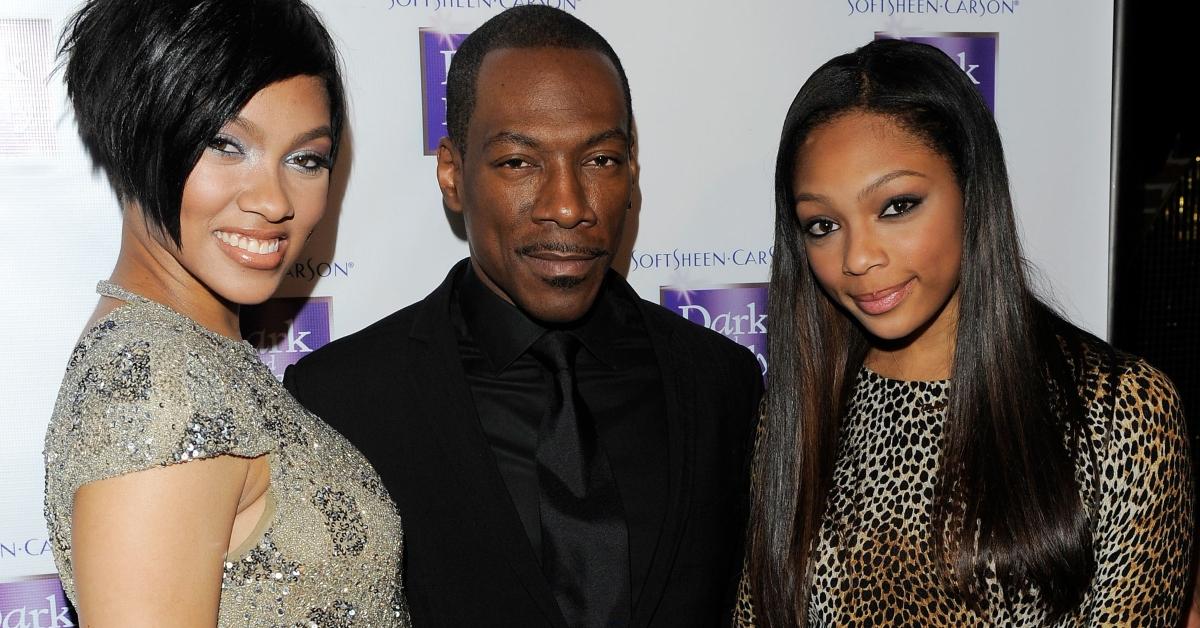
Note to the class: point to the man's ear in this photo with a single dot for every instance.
(635, 167)
(449, 174)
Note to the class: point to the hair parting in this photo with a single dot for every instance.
(1012, 433)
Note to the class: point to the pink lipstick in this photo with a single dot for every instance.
(885, 300)
(260, 250)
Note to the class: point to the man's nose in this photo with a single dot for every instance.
(563, 198)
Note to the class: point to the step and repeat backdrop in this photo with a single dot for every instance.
(711, 82)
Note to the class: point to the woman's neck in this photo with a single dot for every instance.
(926, 355)
(146, 268)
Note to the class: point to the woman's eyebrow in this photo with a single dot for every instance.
(895, 174)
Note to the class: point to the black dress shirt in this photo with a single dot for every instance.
(618, 379)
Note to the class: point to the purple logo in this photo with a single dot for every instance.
(437, 49)
(738, 311)
(35, 602)
(26, 55)
(287, 329)
(975, 53)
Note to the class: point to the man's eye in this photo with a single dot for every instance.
(820, 227)
(604, 161)
(515, 163)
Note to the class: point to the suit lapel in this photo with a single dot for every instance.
(437, 374)
(673, 357)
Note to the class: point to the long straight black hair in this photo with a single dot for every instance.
(1013, 425)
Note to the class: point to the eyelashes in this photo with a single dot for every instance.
(900, 205)
(821, 226)
(309, 161)
(225, 145)
(303, 161)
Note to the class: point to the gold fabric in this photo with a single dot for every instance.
(148, 387)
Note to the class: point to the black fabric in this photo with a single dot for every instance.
(585, 545)
(398, 390)
(618, 379)
(508, 388)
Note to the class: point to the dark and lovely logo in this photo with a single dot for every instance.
(286, 329)
(36, 602)
(738, 311)
(892, 8)
(975, 53)
(437, 49)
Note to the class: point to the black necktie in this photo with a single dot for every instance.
(585, 542)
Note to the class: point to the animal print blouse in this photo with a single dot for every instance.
(872, 561)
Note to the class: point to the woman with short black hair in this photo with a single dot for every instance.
(184, 486)
(938, 447)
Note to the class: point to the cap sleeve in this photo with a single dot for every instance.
(131, 401)
(137, 395)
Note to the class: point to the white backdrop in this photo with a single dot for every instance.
(711, 82)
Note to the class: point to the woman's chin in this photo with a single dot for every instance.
(248, 292)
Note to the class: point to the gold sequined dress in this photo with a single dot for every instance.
(148, 387)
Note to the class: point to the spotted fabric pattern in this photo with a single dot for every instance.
(872, 562)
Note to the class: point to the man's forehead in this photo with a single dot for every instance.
(504, 65)
(534, 140)
(527, 87)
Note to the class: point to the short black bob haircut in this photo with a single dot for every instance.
(152, 81)
(525, 26)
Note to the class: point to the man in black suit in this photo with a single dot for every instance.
(562, 452)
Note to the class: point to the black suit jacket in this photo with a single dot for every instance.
(397, 390)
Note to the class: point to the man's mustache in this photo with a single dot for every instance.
(562, 247)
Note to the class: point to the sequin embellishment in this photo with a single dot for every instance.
(148, 387)
(343, 520)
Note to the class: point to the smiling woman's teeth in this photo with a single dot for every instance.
(248, 244)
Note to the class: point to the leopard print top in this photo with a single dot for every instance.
(872, 560)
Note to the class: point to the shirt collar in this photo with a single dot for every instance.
(503, 332)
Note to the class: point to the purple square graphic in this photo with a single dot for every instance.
(738, 311)
(35, 601)
(975, 53)
(286, 329)
(437, 49)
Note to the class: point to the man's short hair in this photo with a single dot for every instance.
(152, 81)
(525, 26)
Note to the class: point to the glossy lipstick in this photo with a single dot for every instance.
(885, 300)
(260, 250)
